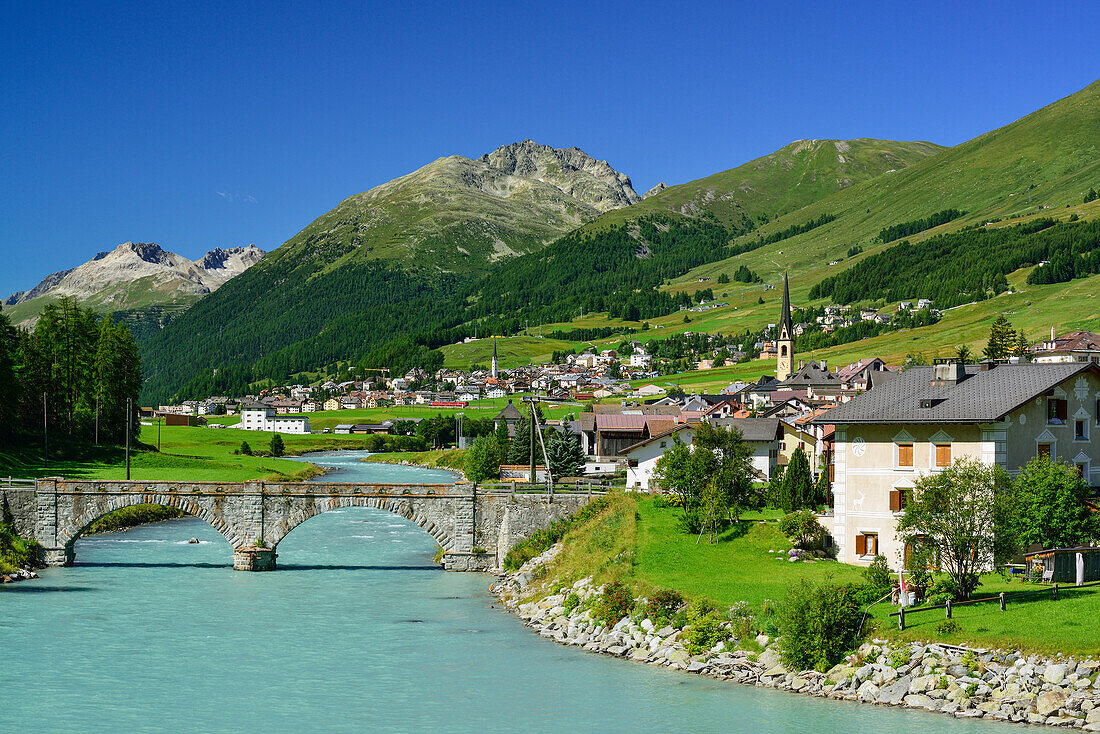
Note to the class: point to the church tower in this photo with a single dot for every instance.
(784, 344)
(493, 368)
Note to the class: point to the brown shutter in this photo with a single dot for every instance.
(861, 545)
(905, 454)
(943, 455)
(895, 500)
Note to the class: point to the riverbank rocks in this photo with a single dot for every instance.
(19, 574)
(961, 682)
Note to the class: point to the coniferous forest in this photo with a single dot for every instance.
(68, 371)
(970, 265)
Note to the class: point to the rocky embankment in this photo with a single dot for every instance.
(965, 683)
(19, 574)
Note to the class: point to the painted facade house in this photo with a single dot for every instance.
(266, 419)
(921, 420)
(1077, 346)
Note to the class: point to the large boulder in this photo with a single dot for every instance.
(1048, 702)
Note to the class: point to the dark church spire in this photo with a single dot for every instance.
(786, 328)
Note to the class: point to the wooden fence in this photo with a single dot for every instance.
(1001, 598)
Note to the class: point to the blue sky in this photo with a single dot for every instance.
(220, 124)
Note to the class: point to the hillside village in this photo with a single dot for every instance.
(843, 418)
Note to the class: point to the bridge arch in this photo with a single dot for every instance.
(69, 533)
(434, 523)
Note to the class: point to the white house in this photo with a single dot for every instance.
(761, 435)
(265, 419)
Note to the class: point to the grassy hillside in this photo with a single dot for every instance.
(785, 181)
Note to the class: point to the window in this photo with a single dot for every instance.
(1083, 470)
(1080, 430)
(1056, 411)
(867, 544)
(664, 444)
(1043, 450)
(943, 455)
(899, 498)
(905, 455)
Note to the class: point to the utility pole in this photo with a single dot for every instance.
(532, 441)
(129, 412)
(159, 422)
(45, 434)
(97, 418)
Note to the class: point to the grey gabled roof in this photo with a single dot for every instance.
(981, 397)
(752, 429)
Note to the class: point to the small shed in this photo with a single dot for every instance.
(1071, 565)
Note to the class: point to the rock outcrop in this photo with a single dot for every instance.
(655, 190)
(570, 170)
(136, 274)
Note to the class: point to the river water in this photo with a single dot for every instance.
(357, 631)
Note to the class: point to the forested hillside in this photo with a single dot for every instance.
(970, 265)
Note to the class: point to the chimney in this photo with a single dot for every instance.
(948, 372)
(824, 365)
(1052, 332)
(801, 363)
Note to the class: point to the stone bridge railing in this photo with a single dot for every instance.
(475, 529)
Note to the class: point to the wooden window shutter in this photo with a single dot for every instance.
(905, 454)
(1063, 409)
(943, 455)
(861, 545)
(895, 500)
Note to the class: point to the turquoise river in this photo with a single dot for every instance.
(357, 631)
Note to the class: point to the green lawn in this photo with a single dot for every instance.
(1035, 622)
(739, 567)
(187, 454)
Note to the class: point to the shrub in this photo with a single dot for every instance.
(571, 602)
(742, 622)
(946, 627)
(246, 449)
(615, 603)
(878, 575)
(663, 605)
(803, 529)
(818, 624)
(705, 627)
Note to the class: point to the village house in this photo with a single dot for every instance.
(1077, 346)
(920, 421)
(258, 418)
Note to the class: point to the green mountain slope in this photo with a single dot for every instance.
(381, 264)
(785, 181)
(1055, 151)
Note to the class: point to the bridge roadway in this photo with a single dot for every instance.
(475, 528)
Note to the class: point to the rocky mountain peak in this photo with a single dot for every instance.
(655, 190)
(571, 170)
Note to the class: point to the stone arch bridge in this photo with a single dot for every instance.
(474, 528)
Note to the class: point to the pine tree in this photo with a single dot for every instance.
(277, 448)
(566, 455)
(1001, 339)
(245, 448)
(797, 489)
(1020, 346)
(9, 387)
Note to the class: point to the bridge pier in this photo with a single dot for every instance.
(254, 559)
(57, 556)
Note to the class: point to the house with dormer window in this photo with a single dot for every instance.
(923, 419)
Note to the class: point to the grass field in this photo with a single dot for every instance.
(453, 459)
(637, 541)
(187, 454)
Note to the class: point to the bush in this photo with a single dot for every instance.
(878, 575)
(818, 624)
(246, 449)
(946, 627)
(742, 621)
(662, 606)
(615, 603)
(571, 602)
(705, 627)
(803, 529)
